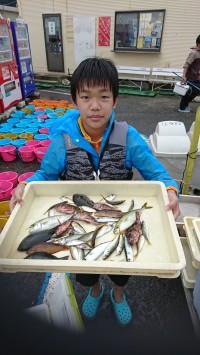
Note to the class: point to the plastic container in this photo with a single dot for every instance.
(25, 176)
(52, 115)
(27, 111)
(30, 107)
(42, 117)
(30, 117)
(18, 114)
(11, 136)
(5, 190)
(34, 143)
(38, 109)
(5, 130)
(170, 144)
(196, 294)
(189, 273)
(46, 142)
(19, 143)
(5, 209)
(28, 136)
(44, 130)
(40, 152)
(13, 120)
(5, 141)
(17, 130)
(8, 153)
(11, 176)
(41, 137)
(192, 240)
(1, 135)
(26, 153)
(31, 130)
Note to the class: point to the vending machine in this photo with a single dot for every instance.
(10, 91)
(23, 55)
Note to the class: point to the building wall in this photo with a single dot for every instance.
(181, 27)
(9, 12)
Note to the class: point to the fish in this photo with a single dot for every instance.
(96, 252)
(120, 246)
(78, 244)
(128, 250)
(47, 223)
(35, 238)
(140, 244)
(82, 200)
(112, 202)
(103, 206)
(106, 219)
(65, 239)
(145, 231)
(85, 217)
(50, 248)
(64, 227)
(63, 207)
(76, 253)
(46, 256)
(100, 231)
(108, 213)
(128, 219)
(111, 247)
(78, 228)
(131, 205)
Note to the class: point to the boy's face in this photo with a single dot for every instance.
(95, 105)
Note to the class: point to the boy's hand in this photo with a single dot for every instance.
(173, 203)
(17, 196)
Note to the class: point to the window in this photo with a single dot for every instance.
(138, 31)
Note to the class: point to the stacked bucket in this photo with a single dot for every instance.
(25, 135)
(26, 132)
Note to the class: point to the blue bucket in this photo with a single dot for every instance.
(41, 137)
(19, 143)
(32, 107)
(18, 114)
(52, 115)
(21, 124)
(34, 125)
(49, 110)
(31, 130)
(5, 141)
(36, 113)
(6, 125)
(17, 130)
(13, 120)
(59, 110)
(30, 117)
(4, 130)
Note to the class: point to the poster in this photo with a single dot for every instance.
(84, 38)
(104, 31)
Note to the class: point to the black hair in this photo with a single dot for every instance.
(95, 71)
(198, 40)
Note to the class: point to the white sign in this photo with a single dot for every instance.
(52, 28)
(84, 38)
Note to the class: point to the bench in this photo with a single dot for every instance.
(160, 77)
(133, 76)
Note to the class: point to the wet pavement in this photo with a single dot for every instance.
(159, 306)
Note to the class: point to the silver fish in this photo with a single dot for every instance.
(78, 228)
(78, 244)
(111, 247)
(48, 223)
(131, 205)
(65, 238)
(112, 202)
(120, 246)
(100, 231)
(76, 253)
(145, 231)
(128, 219)
(106, 219)
(96, 252)
(128, 250)
(140, 243)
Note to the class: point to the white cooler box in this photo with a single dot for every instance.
(170, 144)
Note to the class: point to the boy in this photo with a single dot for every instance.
(89, 144)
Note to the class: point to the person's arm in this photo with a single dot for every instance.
(190, 59)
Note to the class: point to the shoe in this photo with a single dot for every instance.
(187, 109)
(122, 310)
(91, 304)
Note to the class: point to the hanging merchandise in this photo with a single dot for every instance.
(10, 91)
(23, 55)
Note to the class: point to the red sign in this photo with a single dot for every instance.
(104, 30)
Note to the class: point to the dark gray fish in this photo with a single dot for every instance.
(46, 256)
(82, 200)
(36, 238)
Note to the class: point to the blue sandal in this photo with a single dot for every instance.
(122, 310)
(91, 304)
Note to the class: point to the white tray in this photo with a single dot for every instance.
(193, 241)
(189, 273)
(164, 258)
(196, 224)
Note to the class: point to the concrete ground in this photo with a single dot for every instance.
(159, 305)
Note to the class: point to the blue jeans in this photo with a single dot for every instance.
(191, 94)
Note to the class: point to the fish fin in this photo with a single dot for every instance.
(145, 206)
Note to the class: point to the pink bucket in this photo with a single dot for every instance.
(46, 142)
(11, 176)
(40, 152)
(27, 153)
(33, 143)
(8, 152)
(6, 188)
(25, 176)
(44, 130)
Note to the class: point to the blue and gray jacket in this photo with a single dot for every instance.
(121, 144)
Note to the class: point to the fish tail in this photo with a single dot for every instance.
(145, 206)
